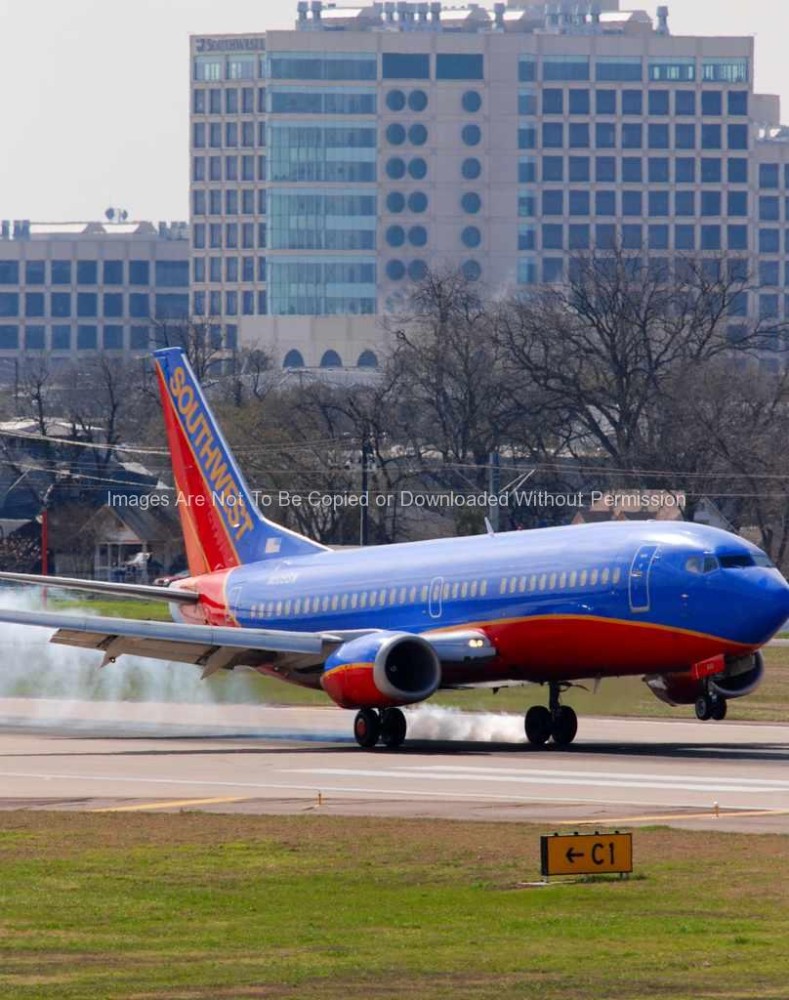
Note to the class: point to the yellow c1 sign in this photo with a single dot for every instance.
(587, 854)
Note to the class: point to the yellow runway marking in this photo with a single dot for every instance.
(710, 814)
(144, 806)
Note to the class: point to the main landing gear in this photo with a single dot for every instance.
(710, 706)
(387, 726)
(557, 722)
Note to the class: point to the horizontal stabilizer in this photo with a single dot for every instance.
(139, 590)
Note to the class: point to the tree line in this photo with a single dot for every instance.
(626, 376)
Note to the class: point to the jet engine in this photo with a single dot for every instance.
(382, 670)
(723, 676)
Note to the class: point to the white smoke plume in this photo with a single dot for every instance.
(430, 722)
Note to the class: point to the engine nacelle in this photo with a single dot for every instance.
(725, 676)
(382, 670)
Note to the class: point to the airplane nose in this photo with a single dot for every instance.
(769, 603)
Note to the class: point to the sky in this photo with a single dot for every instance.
(94, 93)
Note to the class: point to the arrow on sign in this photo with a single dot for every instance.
(571, 855)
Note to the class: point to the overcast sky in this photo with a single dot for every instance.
(94, 106)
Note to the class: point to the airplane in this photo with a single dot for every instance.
(686, 606)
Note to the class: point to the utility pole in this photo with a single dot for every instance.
(364, 526)
(494, 487)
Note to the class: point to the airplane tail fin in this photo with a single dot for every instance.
(221, 523)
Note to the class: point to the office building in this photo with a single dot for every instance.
(334, 163)
(70, 289)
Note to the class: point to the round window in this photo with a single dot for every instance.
(417, 100)
(417, 135)
(471, 202)
(471, 135)
(471, 236)
(417, 168)
(395, 134)
(395, 236)
(417, 202)
(417, 236)
(395, 100)
(395, 270)
(395, 201)
(471, 101)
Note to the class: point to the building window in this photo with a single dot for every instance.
(395, 236)
(34, 304)
(685, 170)
(676, 70)
(552, 269)
(367, 359)
(9, 337)
(417, 135)
(471, 135)
(579, 168)
(768, 175)
(395, 202)
(9, 304)
(331, 359)
(471, 270)
(605, 135)
(658, 170)
(725, 71)
(712, 102)
(395, 168)
(685, 102)
(139, 306)
(605, 236)
(632, 136)
(459, 66)
(684, 237)
(605, 169)
(471, 237)
(113, 304)
(527, 238)
(579, 102)
(738, 102)
(324, 66)
(471, 168)
(711, 137)
(632, 203)
(658, 237)
(552, 101)
(395, 100)
(395, 134)
(769, 272)
(738, 203)
(632, 170)
(405, 66)
(527, 137)
(658, 204)
(769, 241)
(552, 135)
(87, 304)
(580, 203)
(112, 338)
(553, 203)
(710, 203)
(395, 270)
(527, 69)
(417, 168)
(737, 136)
(417, 236)
(60, 305)
(605, 203)
(579, 135)
(659, 102)
(605, 102)
(565, 68)
(87, 338)
(658, 136)
(35, 272)
(417, 100)
(685, 136)
(711, 170)
(769, 210)
(552, 236)
(685, 203)
(618, 68)
(553, 168)
(632, 102)
(578, 237)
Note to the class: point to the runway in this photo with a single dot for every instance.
(145, 757)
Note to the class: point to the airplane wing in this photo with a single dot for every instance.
(209, 647)
(149, 593)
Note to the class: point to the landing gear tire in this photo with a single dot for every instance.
(367, 728)
(564, 726)
(719, 709)
(538, 725)
(393, 728)
(704, 708)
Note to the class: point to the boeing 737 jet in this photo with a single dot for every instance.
(379, 628)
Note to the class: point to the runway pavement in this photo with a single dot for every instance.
(254, 759)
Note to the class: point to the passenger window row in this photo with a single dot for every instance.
(566, 580)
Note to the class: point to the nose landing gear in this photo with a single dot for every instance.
(557, 722)
(388, 727)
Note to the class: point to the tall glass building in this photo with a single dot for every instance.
(333, 164)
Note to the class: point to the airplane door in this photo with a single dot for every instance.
(639, 578)
(233, 604)
(436, 588)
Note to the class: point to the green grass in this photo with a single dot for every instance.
(121, 608)
(200, 906)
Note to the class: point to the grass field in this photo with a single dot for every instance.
(197, 906)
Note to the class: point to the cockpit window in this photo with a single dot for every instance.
(760, 559)
(737, 561)
(702, 564)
